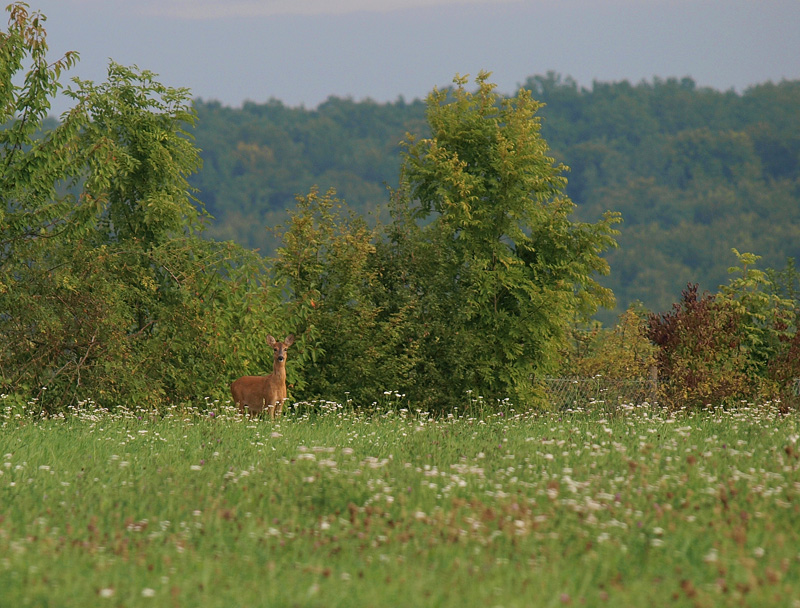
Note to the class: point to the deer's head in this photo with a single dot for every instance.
(279, 348)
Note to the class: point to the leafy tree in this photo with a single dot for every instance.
(767, 304)
(623, 352)
(766, 317)
(106, 290)
(738, 344)
(353, 342)
(474, 283)
(699, 358)
(498, 269)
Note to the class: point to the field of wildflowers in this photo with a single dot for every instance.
(332, 507)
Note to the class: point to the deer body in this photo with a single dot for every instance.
(257, 393)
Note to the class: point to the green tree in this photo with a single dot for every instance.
(623, 352)
(352, 333)
(106, 290)
(498, 269)
(768, 321)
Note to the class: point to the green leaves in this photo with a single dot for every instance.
(475, 281)
(107, 291)
(138, 153)
(507, 268)
(351, 338)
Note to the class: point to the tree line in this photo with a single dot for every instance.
(693, 171)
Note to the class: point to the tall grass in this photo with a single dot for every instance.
(397, 508)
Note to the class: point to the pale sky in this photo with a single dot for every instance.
(303, 51)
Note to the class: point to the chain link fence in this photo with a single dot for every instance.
(567, 393)
(609, 393)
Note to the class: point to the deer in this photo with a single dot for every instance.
(257, 393)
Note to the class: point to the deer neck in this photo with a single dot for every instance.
(279, 369)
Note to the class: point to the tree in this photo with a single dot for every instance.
(623, 352)
(699, 356)
(106, 290)
(498, 269)
(353, 331)
(738, 344)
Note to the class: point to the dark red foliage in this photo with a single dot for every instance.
(699, 354)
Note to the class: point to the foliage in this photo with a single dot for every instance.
(495, 263)
(623, 352)
(257, 158)
(692, 170)
(767, 318)
(699, 355)
(349, 346)
(106, 290)
(783, 368)
(739, 344)
(470, 288)
(769, 321)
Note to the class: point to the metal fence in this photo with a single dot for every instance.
(565, 393)
(608, 393)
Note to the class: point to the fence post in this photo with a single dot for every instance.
(653, 383)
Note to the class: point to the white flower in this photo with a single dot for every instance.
(147, 592)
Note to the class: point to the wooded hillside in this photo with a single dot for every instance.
(694, 171)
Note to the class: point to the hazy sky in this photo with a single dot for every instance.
(302, 51)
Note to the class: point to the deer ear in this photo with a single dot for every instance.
(289, 340)
(271, 341)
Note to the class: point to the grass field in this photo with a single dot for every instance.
(197, 508)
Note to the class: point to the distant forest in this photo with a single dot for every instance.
(694, 171)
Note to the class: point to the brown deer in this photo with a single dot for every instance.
(257, 393)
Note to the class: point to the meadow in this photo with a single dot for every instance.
(332, 507)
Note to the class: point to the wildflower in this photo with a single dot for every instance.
(148, 592)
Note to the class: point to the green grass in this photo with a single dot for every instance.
(642, 508)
